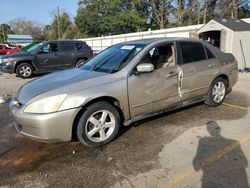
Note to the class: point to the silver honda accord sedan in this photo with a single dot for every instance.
(123, 84)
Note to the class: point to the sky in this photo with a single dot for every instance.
(35, 10)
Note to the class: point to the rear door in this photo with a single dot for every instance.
(83, 51)
(66, 57)
(47, 57)
(198, 69)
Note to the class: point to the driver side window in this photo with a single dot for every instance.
(49, 48)
(161, 56)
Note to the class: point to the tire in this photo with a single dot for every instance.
(80, 62)
(24, 70)
(93, 129)
(219, 88)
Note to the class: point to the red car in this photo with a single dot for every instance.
(4, 49)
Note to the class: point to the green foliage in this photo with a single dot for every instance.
(102, 17)
(109, 17)
(72, 32)
(64, 23)
(4, 31)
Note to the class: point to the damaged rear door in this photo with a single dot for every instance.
(198, 69)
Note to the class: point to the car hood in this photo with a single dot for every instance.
(62, 82)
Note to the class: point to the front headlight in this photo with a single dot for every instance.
(46, 105)
(8, 60)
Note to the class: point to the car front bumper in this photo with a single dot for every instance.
(7, 68)
(52, 127)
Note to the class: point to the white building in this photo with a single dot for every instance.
(19, 39)
(100, 43)
(231, 36)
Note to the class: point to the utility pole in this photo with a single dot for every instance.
(58, 23)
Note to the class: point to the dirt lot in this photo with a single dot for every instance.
(192, 147)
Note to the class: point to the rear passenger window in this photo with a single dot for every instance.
(210, 55)
(67, 46)
(192, 51)
(78, 45)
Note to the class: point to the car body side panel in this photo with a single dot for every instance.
(47, 61)
(116, 90)
(197, 77)
(151, 92)
(65, 59)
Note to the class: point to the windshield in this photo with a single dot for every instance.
(113, 59)
(34, 47)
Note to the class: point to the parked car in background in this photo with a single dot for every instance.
(123, 84)
(4, 49)
(46, 57)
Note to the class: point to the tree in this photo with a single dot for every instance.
(4, 31)
(179, 13)
(235, 9)
(46, 32)
(243, 9)
(64, 22)
(101, 17)
(72, 32)
(190, 12)
(22, 26)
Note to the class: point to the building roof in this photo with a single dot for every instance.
(19, 39)
(28, 37)
(234, 24)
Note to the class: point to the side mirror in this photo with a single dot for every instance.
(145, 67)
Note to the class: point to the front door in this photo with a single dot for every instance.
(157, 90)
(47, 57)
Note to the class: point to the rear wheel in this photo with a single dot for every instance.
(98, 125)
(217, 92)
(24, 70)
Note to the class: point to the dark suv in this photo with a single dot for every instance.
(46, 57)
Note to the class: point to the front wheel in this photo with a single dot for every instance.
(98, 125)
(24, 70)
(217, 92)
(80, 62)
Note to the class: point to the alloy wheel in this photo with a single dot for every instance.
(218, 92)
(100, 126)
(25, 71)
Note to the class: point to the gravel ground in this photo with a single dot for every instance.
(192, 147)
(9, 83)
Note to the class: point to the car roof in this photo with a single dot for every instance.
(65, 40)
(69, 40)
(169, 39)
